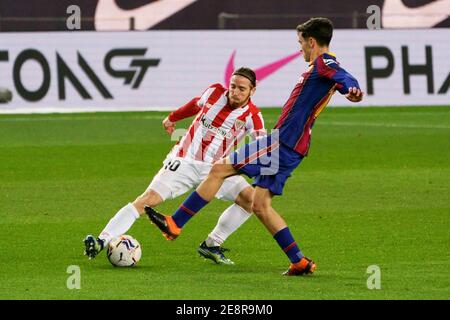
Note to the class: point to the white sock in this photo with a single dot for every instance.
(120, 223)
(230, 220)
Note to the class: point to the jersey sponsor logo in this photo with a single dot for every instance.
(207, 123)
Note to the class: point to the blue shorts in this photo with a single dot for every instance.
(268, 161)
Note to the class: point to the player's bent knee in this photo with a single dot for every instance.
(218, 171)
(260, 209)
(222, 169)
(148, 198)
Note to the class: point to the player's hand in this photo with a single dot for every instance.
(354, 94)
(168, 125)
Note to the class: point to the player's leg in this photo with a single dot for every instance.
(232, 218)
(171, 225)
(205, 192)
(170, 182)
(149, 198)
(262, 207)
(235, 189)
(275, 224)
(121, 222)
(246, 160)
(209, 187)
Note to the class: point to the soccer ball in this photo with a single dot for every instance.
(124, 251)
(5, 95)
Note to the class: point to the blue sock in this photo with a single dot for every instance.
(288, 245)
(188, 209)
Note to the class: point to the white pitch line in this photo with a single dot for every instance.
(388, 125)
(147, 117)
(39, 119)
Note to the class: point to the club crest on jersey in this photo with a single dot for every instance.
(239, 124)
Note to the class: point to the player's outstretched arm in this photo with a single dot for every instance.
(346, 84)
(354, 94)
(186, 111)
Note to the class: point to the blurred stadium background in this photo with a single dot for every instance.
(374, 191)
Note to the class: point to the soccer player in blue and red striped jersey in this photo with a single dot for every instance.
(272, 159)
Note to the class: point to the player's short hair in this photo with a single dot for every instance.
(247, 73)
(320, 29)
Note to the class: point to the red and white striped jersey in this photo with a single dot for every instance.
(217, 127)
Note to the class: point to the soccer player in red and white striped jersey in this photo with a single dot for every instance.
(223, 117)
(219, 125)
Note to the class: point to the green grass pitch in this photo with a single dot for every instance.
(373, 191)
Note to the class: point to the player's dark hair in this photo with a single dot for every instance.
(247, 73)
(320, 29)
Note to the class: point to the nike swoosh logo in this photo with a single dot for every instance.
(262, 72)
(396, 15)
(109, 16)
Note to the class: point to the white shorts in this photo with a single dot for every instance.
(179, 175)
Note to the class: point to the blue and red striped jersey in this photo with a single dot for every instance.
(310, 95)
